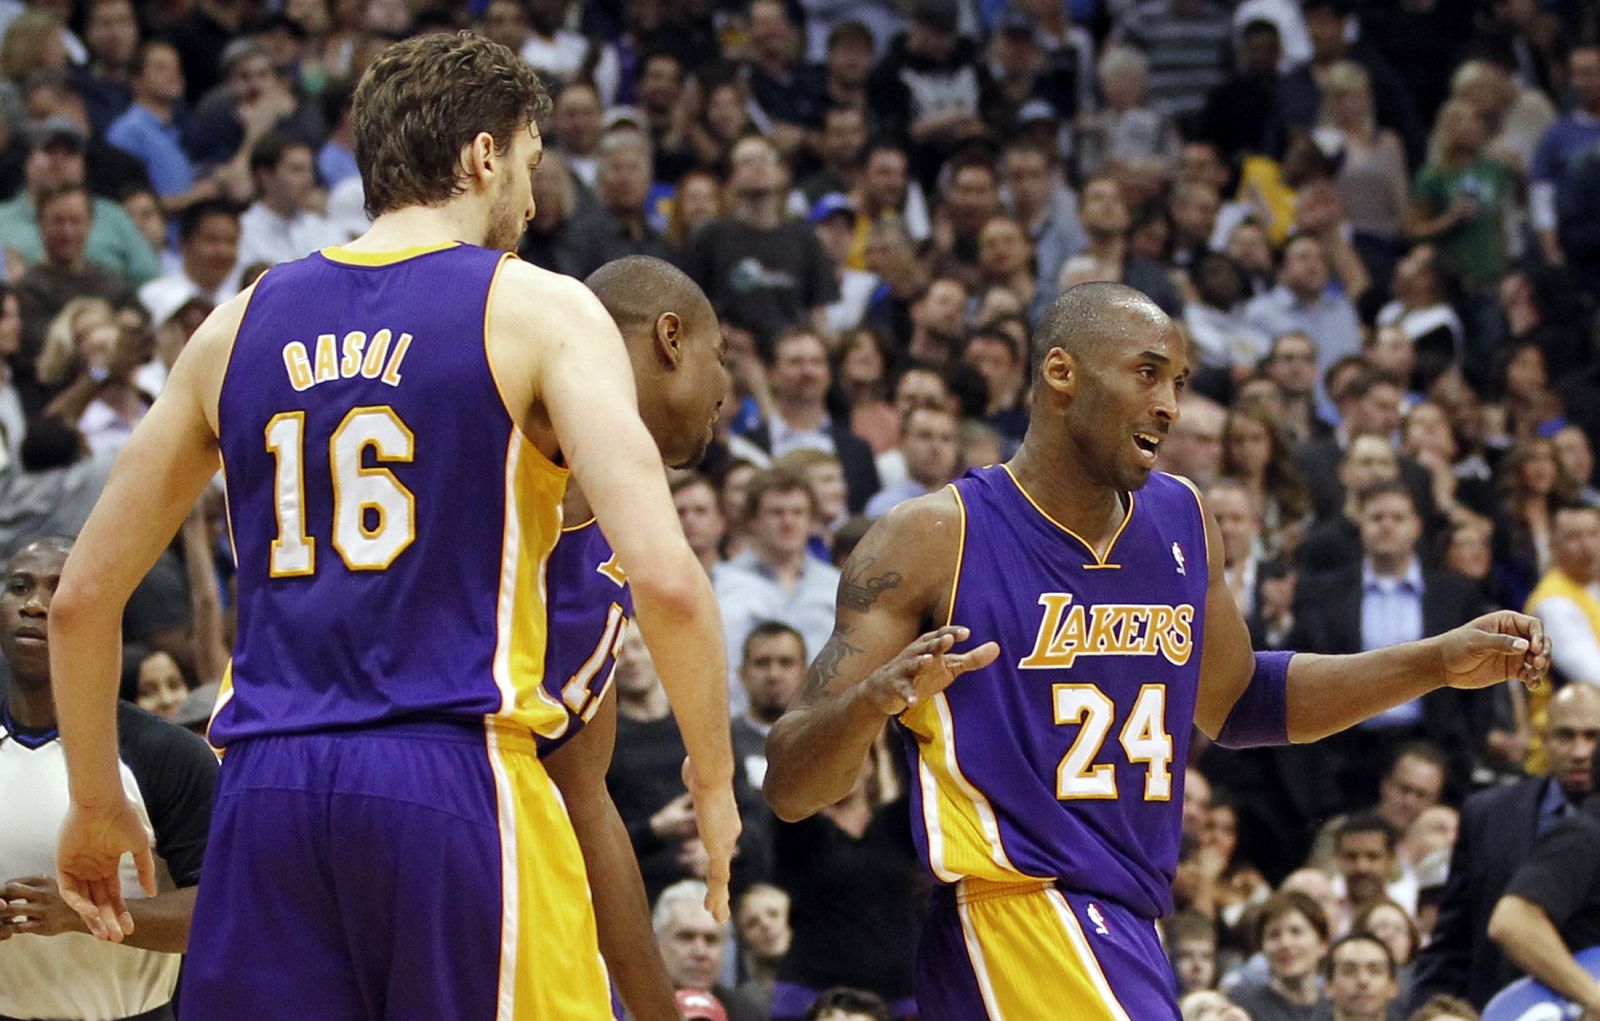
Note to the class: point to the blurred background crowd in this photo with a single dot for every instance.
(1377, 224)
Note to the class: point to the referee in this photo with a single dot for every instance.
(50, 967)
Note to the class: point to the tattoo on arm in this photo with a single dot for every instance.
(858, 592)
(826, 666)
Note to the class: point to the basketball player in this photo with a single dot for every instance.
(675, 346)
(396, 421)
(1075, 584)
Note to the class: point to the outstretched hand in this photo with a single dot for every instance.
(1498, 646)
(88, 865)
(925, 667)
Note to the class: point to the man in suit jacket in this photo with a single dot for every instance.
(1369, 404)
(1387, 598)
(1498, 826)
(799, 376)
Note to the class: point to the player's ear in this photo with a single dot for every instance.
(479, 156)
(1059, 372)
(669, 337)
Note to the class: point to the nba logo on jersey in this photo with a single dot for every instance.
(1177, 554)
(1099, 920)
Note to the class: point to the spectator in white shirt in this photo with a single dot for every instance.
(281, 226)
(1567, 598)
(208, 245)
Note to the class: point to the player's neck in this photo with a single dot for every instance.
(421, 227)
(1062, 490)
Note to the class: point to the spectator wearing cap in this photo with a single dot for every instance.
(1186, 43)
(108, 171)
(56, 157)
(765, 270)
(281, 225)
(931, 88)
(1046, 208)
(833, 218)
(695, 1005)
(786, 94)
(111, 34)
(148, 130)
(1103, 212)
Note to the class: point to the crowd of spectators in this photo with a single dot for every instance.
(1374, 220)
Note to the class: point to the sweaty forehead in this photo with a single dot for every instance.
(37, 560)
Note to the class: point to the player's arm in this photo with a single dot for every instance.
(875, 665)
(154, 483)
(1248, 698)
(1532, 941)
(33, 904)
(562, 365)
(621, 908)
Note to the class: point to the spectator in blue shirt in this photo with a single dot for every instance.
(149, 130)
(1562, 196)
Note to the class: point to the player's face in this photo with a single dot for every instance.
(1126, 403)
(30, 584)
(512, 207)
(708, 382)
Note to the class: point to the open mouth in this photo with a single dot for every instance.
(1147, 443)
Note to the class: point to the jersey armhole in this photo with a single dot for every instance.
(1200, 507)
(545, 461)
(961, 555)
(233, 345)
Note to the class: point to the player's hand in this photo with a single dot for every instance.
(88, 855)
(924, 668)
(1498, 646)
(33, 904)
(717, 822)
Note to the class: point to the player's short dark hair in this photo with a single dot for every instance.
(1388, 487)
(1368, 822)
(1078, 318)
(1358, 936)
(849, 1001)
(771, 629)
(193, 217)
(270, 150)
(776, 480)
(1290, 902)
(423, 100)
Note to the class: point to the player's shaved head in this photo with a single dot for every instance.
(638, 289)
(57, 544)
(1087, 318)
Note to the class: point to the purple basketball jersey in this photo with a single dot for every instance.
(390, 521)
(590, 608)
(1063, 759)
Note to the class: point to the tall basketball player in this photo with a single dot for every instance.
(396, 422)
(1077, 585)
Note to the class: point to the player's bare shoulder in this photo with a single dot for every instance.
(535, 315)
(200, 369)
(915, 549)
